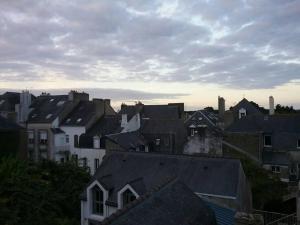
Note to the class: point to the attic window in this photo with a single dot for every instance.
(157, 141)
(52, 99)
(60, 103)
(68, 120)
(78, 120)
(200, 118)
(2, 101)
(48, 116)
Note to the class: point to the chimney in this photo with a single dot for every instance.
(99, 104)
(271, 105)
(78, 96)
(221, 107)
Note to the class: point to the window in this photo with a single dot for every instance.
(96, 164)
(67, 138)
(43, 137)
(31, 137)
(267, 140)
(75, 140)
(275, 169)
(62, 160)
(192, 131)
(167, 141)
(298, 143)
(48, 116)
(97, 201)
(157, 141)
(78, 120)
(128, 197)
(84, 162)
(242, 113)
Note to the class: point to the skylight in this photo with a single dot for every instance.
(78, 120)
(33, 116)
(52, 99)
(60, 103)
(48, 116)
(2, 101)
(68, 120)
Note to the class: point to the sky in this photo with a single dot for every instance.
(189, 51)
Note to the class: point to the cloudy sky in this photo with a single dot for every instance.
(154, 51)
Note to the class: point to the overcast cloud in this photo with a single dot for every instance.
(236, 43)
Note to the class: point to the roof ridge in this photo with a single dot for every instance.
(137, 201)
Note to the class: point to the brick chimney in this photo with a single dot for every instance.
(78, 96)
(100, 106)
(221, 107)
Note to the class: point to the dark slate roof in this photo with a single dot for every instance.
(224, 216)
(215, 176)
(105, 125)
(46, 108)
(275, 158)
(201, 118)
(57, 131)
(251, 109)
(173, 204)
(6, 125)
(276, 123)
(81, 115)
(8, 100)
(151, 111)
(128, 140)
(163, 126)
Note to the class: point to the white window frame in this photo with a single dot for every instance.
(242, 113)
(120, 194)
(192, 132)
(90, 201)
(96, 164)
(276, 169)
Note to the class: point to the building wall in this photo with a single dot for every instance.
(249, 142)
(90, 154)
(72, 131)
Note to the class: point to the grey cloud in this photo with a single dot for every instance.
(237, 43)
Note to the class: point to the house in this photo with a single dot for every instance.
(170, 204)
(15, 106)
(13, 139)
(242, 109)
(274, 140)
(125, 176)
(204, 135)
(45, 138)
(162, 126)
(82, 118)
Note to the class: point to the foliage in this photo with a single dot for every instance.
(46, 193)
(265, 186)
(280, 109)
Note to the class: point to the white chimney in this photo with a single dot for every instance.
(271, 105)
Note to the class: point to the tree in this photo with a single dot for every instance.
(284, 109)
(46, 193)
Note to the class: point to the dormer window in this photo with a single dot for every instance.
(242, 113)
(128, 197)
(60, 103)
(157, 142)
(268, 141)
(97, 201)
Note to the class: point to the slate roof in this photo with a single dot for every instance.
(173, 204)
(275, 123)
(251, 109)
(201, 118)
(6, 125)
(128, 140)
(80, 115)
(162, 126)
(224, 216)
(57, 131)
(8, 100)
(213, 176)
(151, 111)
(46, 108)
(106, 125)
